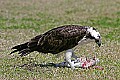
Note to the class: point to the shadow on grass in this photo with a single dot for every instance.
(31, 66)
(39, 65)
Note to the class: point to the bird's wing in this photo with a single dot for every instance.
(58, 39)
(71, 31)
(61, 35)
(34, 41)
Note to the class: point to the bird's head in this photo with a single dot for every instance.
(94, 34)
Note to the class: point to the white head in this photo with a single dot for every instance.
(93, 34)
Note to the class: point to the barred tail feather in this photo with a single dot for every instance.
(22, 48)
(24, 52)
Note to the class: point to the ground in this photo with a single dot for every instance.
(23, 19)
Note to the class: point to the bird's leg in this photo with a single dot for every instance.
(69, 54)
(73, 55)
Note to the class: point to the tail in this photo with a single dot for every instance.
(22, 48)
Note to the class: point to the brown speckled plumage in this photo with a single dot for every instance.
(54, 41)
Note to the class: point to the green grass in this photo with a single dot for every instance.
(22, 20)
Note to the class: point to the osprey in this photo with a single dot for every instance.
(60, 39)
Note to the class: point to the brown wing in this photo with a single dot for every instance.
(70, 31)
(33, 43)
(61, 38)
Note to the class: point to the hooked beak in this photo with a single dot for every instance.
(98, 41)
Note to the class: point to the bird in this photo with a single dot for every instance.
(62, 38)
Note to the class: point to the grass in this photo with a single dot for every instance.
(21, 20)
